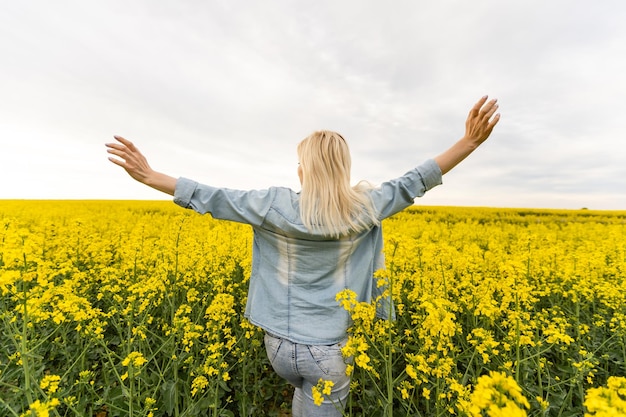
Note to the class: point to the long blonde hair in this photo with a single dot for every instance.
(328, 203)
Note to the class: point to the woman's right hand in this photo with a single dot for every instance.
(480, 123)
(478, 126)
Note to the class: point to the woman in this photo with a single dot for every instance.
(311, 245)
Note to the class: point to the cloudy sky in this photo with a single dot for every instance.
(222, 91)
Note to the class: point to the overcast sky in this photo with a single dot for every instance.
(222, 92)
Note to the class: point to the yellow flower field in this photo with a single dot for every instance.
(135, 308)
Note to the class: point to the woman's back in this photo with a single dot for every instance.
(297, 272)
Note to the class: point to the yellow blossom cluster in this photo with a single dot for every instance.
(137, 307)
(134, 359)
(323, 387)
(608, 401)
(125, 298)
(527, 292)
(498, 395)
(50, 383)
(41, 409)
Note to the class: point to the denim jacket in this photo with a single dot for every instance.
(297, 274)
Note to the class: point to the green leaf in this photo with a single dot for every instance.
(169, 393)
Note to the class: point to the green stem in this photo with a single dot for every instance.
(131, 389)
(24, 354)
(215, 412)
(389, 353)
(175, 373)
(389, 366)
(6, 406)
(244, 398)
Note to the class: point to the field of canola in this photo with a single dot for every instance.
(136, 309)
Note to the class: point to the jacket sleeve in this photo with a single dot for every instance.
(248, 207)
(396, 195)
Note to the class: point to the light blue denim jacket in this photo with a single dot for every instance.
(297, 274)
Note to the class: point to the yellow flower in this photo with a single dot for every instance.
(134, 359)
(149, 406)
(328, 385)
(426, 393)
(318, 399)
(498, 395)
(347, 299)
(50, 383)
(404, 388)
(362, 361)
(40, 409)
(192, 295)
(607, 401)
(542, 403)
(323, 387)
(70, 400)
(199, 383)
(410, 370)
(404, 393)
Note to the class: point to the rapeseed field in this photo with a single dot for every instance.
(135, 308)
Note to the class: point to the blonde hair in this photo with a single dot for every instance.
(328, 204)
